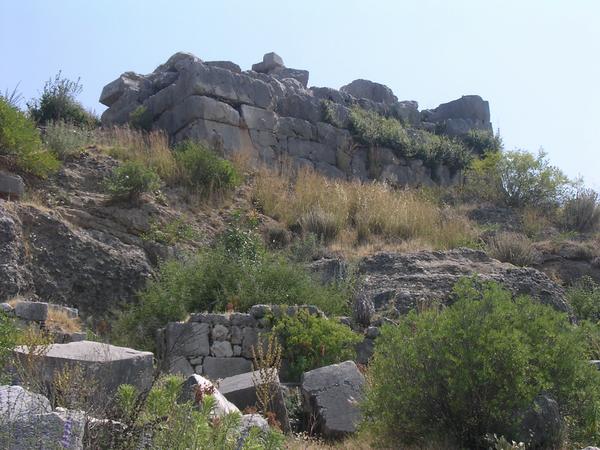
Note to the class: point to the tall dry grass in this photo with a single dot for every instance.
(359, 213)
(149, 148)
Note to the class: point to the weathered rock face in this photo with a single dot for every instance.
(11, 186)
(270, 113)
(43, 254)
(399, 282)
(331, 394)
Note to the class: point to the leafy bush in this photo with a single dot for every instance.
(65, 139)
(236, 271)
(584, 297)
(475, 367)
(481, 142)
(582, 212)
(165, 422)
(374, 129)
(170, 233)
(8, 339)
(20, 143)
(130, 180)
(517, 179)
(309, 342)
(514, 248)
(203, 171)
(58, 103)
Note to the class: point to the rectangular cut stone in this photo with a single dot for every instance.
(104, 365)
(187, 339)
(217, 368)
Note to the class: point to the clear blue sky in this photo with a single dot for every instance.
(536, 61)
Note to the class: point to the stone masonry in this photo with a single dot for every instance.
(270, 113)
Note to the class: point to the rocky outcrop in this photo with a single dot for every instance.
(270, 113)
(11, 186)
(331, 395)
(400, 282)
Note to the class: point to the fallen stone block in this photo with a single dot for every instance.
(196, 387)
(241, 391)
(104, 366)
(331, 394)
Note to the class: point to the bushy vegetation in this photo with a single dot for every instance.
(358, 212)
(514, 248)
(517, 179)
(8, 339)
(130, 180)
(475, 367)
(170, 233)
(141, 118)
(203, 171)
(20, 143)
(482, 142)
(237, 271)
(162, 421)
(584, 297)
(58, 102)
(373, 129)
(310, 341)
(65, 140)
(582, 212)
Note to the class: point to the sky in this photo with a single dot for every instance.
(536, 61)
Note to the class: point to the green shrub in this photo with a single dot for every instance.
(203, 171)
(475, 367)
(178, 425)
(481, 142)
(65, 139)
(235, 271)
(514, 248)
(374, 129)
(517, 179)
(130, 180)
(141, 118)
(309, 342)
(584, 297)
(170, 233)
(20, 143)
(58, 102)
(582, 212)
(8, 341)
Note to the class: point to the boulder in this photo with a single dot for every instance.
(376, 92)
(297, 74)
(11, 186)
(269, 62)
(28, 421)
(542, 425)
(33, 311)
(400, 281)
(228, 65)
(105, 366)
(215, 368)
(331, 395)
(248, 422)
(461, 115)
(241, 391)
(127, 82)
(196, 386)
(328, 270)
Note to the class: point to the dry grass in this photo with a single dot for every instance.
(149, 148)
(60, 320)
(514, 248)
(361, 441)
(361, 214)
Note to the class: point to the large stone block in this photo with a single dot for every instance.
(187, 339)
(217, 368)
(105, 366)
(127, 82)
(241, 391)
(196, 107)
(222, 137)
(11, 186)
(258, 119)
(35, 311)
(195, 387)
(331, 394)
(301, 106)
(370, 90)
(314, 151)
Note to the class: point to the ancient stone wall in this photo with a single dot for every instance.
(270, 113)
